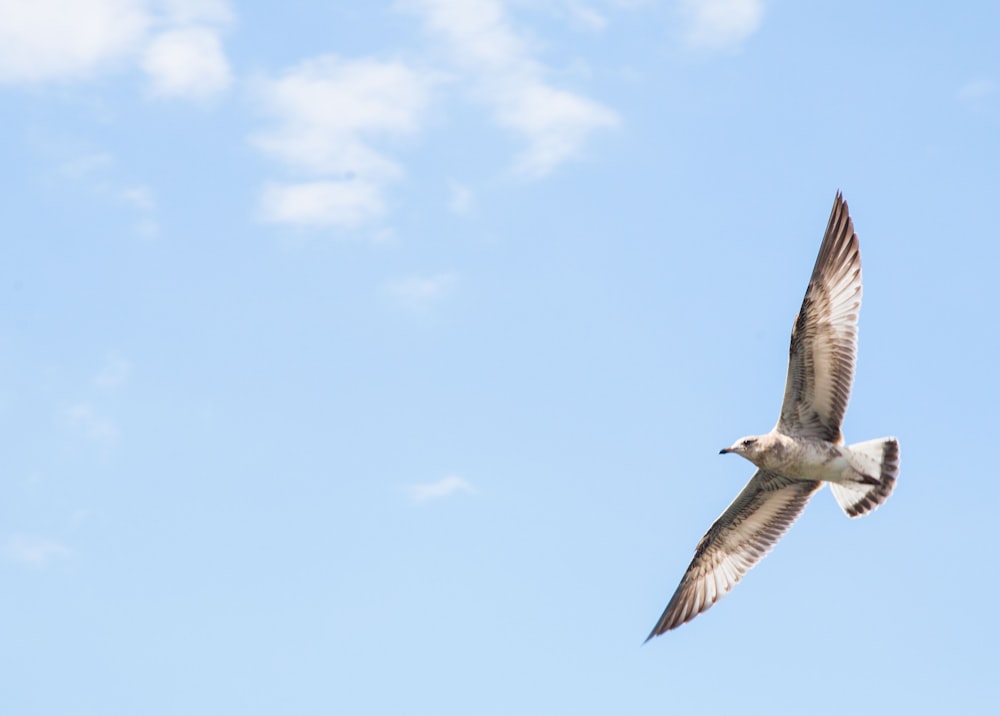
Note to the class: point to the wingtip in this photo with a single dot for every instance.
(662, 627)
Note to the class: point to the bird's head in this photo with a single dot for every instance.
(750, 447)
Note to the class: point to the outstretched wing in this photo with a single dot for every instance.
(825, 336)
(740, 538)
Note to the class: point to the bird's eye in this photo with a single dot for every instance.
(748, 443)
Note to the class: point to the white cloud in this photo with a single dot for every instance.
(329, 109)
(321, 203)
(505, 75)
(115, 372)
(85, 420)
(556, 123)
(187, 62)
(720, 24)
(54, 39)
(34, 551)
(96, 172)
(977, 88)
(47, 40)
(461, 198)
(445, 487)
(418, 292)
(191, 12)
(330, 112)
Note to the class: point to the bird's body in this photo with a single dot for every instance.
(806, 448)
(798, 458)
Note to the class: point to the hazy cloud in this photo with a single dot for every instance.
(34, 551)
(115, 372)
(419, 292)
(585, 15)
(460, 199)
(96, 172)
(138, 195)
(445, 487)
(193, 12)
(977, 88)
(555, 123)
(85, 165)
(84, 419)
(720, 24)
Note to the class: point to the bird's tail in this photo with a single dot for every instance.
(877, 463)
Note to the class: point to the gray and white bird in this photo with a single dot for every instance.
(805, 449)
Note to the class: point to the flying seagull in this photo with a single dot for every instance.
(805, 449)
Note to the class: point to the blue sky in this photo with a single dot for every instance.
(372, 358)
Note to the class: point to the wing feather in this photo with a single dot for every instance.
(823, 348)
(743, 534)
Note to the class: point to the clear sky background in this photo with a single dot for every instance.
(374, 357)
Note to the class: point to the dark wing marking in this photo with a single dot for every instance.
(825, 336)
(740, 538)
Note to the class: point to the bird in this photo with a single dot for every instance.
(806, 448)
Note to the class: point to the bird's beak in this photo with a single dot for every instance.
(723, 451)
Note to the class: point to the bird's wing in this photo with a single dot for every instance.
(742, 535)
(825, 336)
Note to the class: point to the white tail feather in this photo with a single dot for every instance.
(878, 461)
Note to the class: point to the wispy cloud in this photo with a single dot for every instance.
(555, 123)
(445, 487)
(976, 89)
(176, 42)
(461, 198)
(346, 203)
(96, 171)
(720, 24)
(196, 12)
(85, 165)
(330, 114)
(585, 15)
(188, 62)
(115, 372)
(419, 292)
(84, 419)
(34, 551)
(138, 195)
